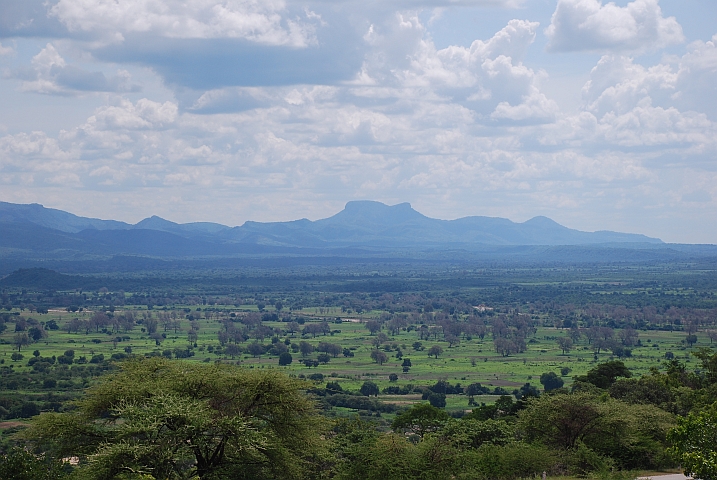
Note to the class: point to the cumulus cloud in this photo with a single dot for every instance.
(579, 25)
(696, 88)
(145, 114)
(535, 108)
(487, 77)
(50, 74)
(618, 84)
(234, 99)
(630, 106)
(260, 21)
(305, 142)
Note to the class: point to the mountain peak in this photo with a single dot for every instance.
(367, 213)
(542, 221)
(372, 205)
(155, 222)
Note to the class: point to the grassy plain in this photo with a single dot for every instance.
(470, 361)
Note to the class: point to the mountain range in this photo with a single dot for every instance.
(360, 226)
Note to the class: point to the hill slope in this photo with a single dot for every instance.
(28, 231)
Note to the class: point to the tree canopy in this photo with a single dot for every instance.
(694, 441)
(171, 420)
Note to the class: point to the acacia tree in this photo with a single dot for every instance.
(373, 326)
(176, 420)
(379, 357)
(21, 339)
(565, 344)
(435, 350)
(420, 419)
(630, 434)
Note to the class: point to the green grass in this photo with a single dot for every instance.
(466, 363)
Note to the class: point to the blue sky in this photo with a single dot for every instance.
(599, 115)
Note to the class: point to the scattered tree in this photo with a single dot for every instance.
(369, 388)
(435, 350)
(379, 357)
(565, 344)
(551, 381)
(285, 359)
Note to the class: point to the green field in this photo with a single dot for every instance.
(471, 361)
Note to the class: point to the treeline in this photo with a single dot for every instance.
(639, 298)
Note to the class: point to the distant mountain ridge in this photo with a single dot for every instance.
(56, 219)
(361, 224)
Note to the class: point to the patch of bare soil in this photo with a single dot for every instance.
(12, 424)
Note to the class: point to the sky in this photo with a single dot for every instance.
(601, 116)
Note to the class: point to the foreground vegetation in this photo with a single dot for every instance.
(162, 419)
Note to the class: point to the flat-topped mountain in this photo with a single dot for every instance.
(377, 224)
(361, 224)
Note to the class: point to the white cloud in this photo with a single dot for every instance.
(579, 25)
(535, 107)
(618, 84)
(696, 85)
(35, 145)
(646, 125)
(145, 114)
(50, 74)
(487, 77)
(260, 21)
(6, 50)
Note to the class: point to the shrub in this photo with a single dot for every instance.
(285, 359)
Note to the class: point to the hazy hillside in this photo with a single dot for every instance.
(33, 233)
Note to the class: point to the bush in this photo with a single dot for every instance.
(64, 360)
(333, 388)
(551, 381)
(285, 359)
(582, 460)
(438, 400)
(97, 358)
(359, 403)
(369, 388)
(28, 409)
(512, 461)
(20, 464)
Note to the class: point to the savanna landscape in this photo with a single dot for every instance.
(401, 355)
